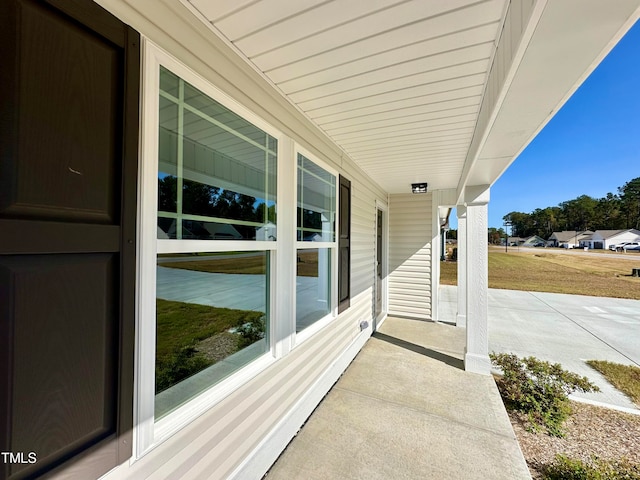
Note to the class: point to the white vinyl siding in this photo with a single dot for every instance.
(248, 427)
(219, 440)
(362, 238)
(410, 255)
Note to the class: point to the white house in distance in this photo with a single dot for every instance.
(569, 238)
(120, 116)
(533, 241)
(606, 238)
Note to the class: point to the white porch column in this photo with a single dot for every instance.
(476, 357)
(435, 256)
(461, 316)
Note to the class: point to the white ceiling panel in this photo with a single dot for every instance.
(415, 121)
(219, 9)
(461, 87)
(392, 81)
(406, 107)
(425, 139)
(402, 86)
(372, 134)
(418, 113)
(343, 33)
(417, 152)
(388, 72)
(376, 92)
(414, 160)
(295, 81)
(297, 23)
(259, 16)
(472, 19)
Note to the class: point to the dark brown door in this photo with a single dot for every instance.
(69, 86)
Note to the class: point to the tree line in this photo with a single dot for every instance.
(612, 212)
(215, 202)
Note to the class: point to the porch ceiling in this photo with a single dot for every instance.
(400, 85)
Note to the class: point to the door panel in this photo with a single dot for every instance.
(56, 178)
(64, 350)
(68, 174)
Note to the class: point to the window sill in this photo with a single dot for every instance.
(180, 417)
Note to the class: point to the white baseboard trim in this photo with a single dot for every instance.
(476, 363)
(258, 463)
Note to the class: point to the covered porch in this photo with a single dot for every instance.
(439, 93)
(313, 119)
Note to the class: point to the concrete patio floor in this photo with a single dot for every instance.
(406, 409)
(565, 329)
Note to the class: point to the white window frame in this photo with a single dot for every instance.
(311, 330)
(147, 432)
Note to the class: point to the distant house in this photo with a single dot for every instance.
(222, 231)
(533, 241)
(605, 238)
(525, 241)
(515, 241)
(568, 238)
(266, 232)
(586, 241)
(192, 229)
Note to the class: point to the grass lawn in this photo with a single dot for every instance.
(546, 271)
(625, 378)
(307, 264)
(249, 265)
(180, 326)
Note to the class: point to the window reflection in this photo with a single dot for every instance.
(316, 202)
(313, 286)
(211, 320)
(217, 171)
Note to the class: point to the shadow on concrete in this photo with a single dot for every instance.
(427, 352)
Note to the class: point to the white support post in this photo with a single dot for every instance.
(435, 255)
(461, 316)
(476, 357)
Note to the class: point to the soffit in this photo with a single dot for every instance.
(570, 39)
(396, 84)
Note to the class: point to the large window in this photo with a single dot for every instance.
(213, 238)
(212, 319)
(316, 217)
(216, 171)
(216, 184)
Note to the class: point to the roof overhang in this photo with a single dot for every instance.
(447, 92)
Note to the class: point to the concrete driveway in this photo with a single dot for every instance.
(240, 291)
(567, 329)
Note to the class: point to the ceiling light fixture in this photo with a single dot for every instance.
(419, 187)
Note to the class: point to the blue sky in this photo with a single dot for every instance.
(591, 146)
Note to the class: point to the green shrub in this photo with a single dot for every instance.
(565, 468)
(538, 389)
(180, 364)
(250, 332)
